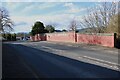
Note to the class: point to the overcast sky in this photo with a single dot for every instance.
(25, 14)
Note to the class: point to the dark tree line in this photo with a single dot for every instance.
(9, 37)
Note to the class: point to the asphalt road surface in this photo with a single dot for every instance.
(42, 60)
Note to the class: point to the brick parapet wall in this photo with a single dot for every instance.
(61, 37)
(99, 38)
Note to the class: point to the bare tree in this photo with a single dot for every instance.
(73, 25)
(5, 21)
(99, 16)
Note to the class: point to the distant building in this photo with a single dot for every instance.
(18, 38)
(57, 31)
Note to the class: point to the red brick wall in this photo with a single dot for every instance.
(38, 37)
(104, 40)
(100, 39)
(61, 37)
(32, 38)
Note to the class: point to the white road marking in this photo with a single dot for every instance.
(97, 61)
(100, 60)
(52, 48)
(104, 63)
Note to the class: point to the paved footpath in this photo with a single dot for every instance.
(89, 46)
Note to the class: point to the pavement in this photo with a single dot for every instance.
(52, 60)
(89, 46)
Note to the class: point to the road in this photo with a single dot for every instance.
(47, 60)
